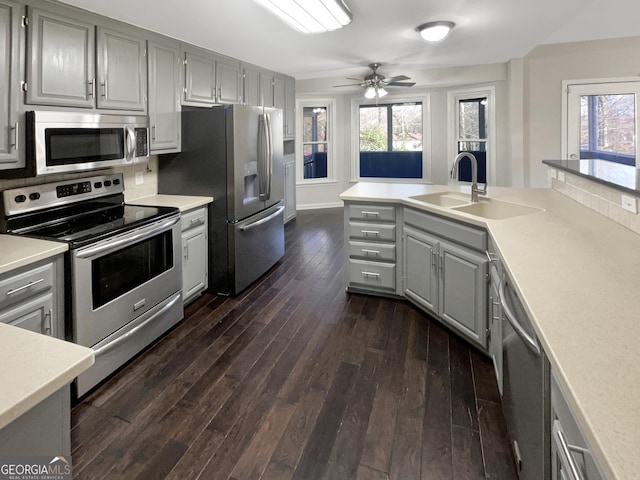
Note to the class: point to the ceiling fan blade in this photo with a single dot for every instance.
(398, 78)
(401, 84)
(349, 85)
(353, 78)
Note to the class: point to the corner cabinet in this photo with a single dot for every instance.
(31, 297)
(210, 79)
(165, 66)
(10, 32)
(194, 253)
(445, 271)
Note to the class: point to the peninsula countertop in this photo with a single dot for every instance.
(182, 202)
(578, 274)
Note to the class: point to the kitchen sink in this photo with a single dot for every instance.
(496, 209)
(443, 199)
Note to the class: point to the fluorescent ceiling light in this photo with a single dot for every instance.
(310, 16)
(435, 31)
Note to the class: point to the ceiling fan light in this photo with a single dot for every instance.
(435, 31)
(381, 92)
(370, 92)
(310, 16)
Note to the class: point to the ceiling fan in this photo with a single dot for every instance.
(374, 83)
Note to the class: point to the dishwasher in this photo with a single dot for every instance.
(526, 398)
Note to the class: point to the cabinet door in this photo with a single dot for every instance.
(194, 267)
(200, 79)
(266, 89)
(279, 100)
(228, 81)
(251, 86)
(420, 268)
(495, 329)
(9, 84)
(35, 314)
(122, 71)
(164, 97)
(60, 61)
(289, 108)
(463, 292)
(289, 190)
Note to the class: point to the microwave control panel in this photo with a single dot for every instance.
(142, 142)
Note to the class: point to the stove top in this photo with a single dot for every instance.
(79, 212)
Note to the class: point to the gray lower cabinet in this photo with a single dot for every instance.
(31, 297)
(210, 79)
(72, 62)
(571, 455)
(370, 248)
(444, 275)
(194, 253)
(289, 188)
(10, 14)
(165, 66)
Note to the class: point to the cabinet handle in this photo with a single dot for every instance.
(196, 221)
(49, 328)
(492, 257)
(369, 213)
(19, 289)
(186, 252)
(105, 91)
(92, 88)
(153, 133)
(434, 259)
(371, 232)
(371, 274)
(15, 136)
(367, 252)
(566, 451)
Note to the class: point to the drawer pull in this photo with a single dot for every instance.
(371, 274)
(367, 213)
(371, 232)
(24, 287)
(367, 252)
(196, 221)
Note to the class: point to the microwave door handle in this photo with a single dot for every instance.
(131, 145)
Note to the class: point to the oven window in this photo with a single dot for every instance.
(81, 145)
(120, 272)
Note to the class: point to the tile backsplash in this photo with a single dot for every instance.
(147, 174)
(598, 197)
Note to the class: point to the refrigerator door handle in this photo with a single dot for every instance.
(269, 155)
(263, 220)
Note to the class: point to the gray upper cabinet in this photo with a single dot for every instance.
(9, 76)
(266, 89)
(164, 96)
(73, 63)
(251, 85)
(122, 70)
(60, 60)
(210, 79)
(284, 97)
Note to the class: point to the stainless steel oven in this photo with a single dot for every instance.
(60, 142)
(123, 269)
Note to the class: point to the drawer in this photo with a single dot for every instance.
(372, 231)
(376, 213)
(465, 235)
(24, 283)
(378, 275)
(372, 251)
(193, 218)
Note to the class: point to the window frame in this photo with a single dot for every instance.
(453, 114)
(330, 105)
(572, 90)
(356, 102)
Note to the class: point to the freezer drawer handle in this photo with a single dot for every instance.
(522, 333)
(263, 220)
(565, 451)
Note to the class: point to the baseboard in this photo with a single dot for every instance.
(316, 206)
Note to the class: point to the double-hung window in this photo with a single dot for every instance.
(315, 147)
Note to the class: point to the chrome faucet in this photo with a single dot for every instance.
(475, 191)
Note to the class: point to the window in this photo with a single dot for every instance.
(473, 131)
(601, 121)
(316, 161)
(390, 139)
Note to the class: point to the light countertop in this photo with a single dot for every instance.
(16, 252)
(33, 367)
(578, 275)
(183, 202)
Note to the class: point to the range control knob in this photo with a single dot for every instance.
(107, 183)
(34, 196)
(20, 198)
(116, 181)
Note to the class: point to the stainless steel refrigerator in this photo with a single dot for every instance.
(233, 153)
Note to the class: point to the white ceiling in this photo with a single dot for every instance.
(490, 31)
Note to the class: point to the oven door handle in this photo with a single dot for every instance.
(528, 340)
(110, 346)
(98, 249)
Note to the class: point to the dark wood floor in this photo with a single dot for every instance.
(296, 379)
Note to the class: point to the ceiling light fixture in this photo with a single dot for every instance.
(372, 92)
(435, 31)
(310, 16)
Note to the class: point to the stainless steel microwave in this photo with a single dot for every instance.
(60, 142)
